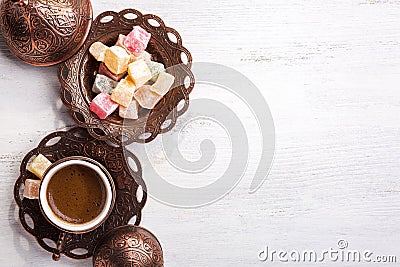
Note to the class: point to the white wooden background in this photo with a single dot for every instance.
(330, 72)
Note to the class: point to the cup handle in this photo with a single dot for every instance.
(60, 244)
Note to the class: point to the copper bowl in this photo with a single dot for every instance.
(128, 246)
(77, 75)
(45, 32)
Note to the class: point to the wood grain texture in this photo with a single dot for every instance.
(330, 74)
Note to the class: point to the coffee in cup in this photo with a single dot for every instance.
(76, 194)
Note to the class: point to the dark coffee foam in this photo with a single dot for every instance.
(76, 194)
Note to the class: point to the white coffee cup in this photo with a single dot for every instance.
(109, 200)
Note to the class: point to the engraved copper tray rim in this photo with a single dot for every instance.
(75, 85)
(77, 142)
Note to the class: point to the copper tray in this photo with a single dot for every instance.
(77, 142)
(77, 75)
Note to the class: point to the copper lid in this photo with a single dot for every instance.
(45, 32)
(128, 246)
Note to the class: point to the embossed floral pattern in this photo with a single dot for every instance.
(45, 32)
(129, 246)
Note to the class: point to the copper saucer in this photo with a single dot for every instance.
(127, 175)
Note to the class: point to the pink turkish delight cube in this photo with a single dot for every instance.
(103, 106)
(137, 40)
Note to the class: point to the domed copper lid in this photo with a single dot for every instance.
(45, 32)
(128, 246)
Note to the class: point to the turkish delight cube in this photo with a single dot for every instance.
(39, 165)
(130, 112)
(120, 41)
(155, 69)
(31, 189)
(123, 93)
(103, 106)
(103, 70)
(146, 56)
(136, 41)
(146, 97)
(163, 83)
(116, 59)
(103, 84)
(139, 72)
(98, 50)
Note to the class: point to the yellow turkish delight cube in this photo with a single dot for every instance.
(139, 72)
(116, 59)
(123, 93)
(39, 165)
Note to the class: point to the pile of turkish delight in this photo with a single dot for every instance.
(127, 78)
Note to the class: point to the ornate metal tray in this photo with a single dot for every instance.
(77, 75)
(127, 175)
